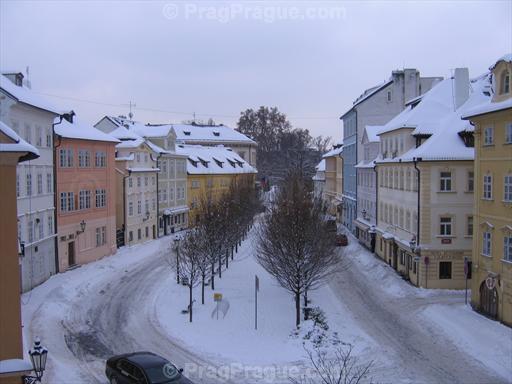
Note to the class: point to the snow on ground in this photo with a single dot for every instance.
(487, 341)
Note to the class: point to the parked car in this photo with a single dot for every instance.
(341, 239)
(143, 368)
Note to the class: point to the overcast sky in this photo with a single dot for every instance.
(173, 58)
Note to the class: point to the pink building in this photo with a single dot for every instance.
(85, 194)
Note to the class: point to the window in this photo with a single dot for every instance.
(388, 96)
(152, 180)
(39, 139)
(18, 193)
(402, 257)
(445, 226)
(39, 184)
(171, 193)
(28, 134)
(66, 158)
(486, 244)
(101, 198)
(50, 225)
(445, 182)
(41, 228)
(488, 136)
(139, 207)
(30, 231)
(146, 206)
(138, 157)
(164, 166)
(445, 270)
(147, 232)
(29, 184)
(507, 247)
(471, 181)
(487, 187)
(67, 201)
(130, 236)
(48, 138)
(84, 199)
(130, 208)
(153, 204)
(49, 183)
(130, 182)
(138, 181)
(507, 188)
(508, 133)
(139, 234)
(145, 181)
(469, 226)
(84, 158)
(505, 82)
(101, 159)
(145, 157)
(101, 236)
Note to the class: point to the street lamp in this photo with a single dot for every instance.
(83, 224)
(177, 245)
(38, 358)
(363, 212)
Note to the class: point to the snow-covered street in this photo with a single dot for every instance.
(131, 301)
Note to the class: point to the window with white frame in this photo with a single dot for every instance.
(486, 243)
(49, 183)
(445, 181)
(30, 228)
(101, 198)
(84, 199)
(471, 181)
(100, 159)
(39, 136)
(48, 138)
(41, 228)
(146, 180)
(487, 187)
(66, 158)
(139, 183)
(130, 182)
(445, 226)
(507, 247)
(469, 226)
(139, 207)
(488, 135)
(84, 158)
(507, 188)
(508, 133)
(29, 184)
(130, 208)
(171, 193)
(50, 225)
(39, 184)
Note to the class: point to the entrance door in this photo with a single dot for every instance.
(489, 301)
(71, 254)
(395, 256)
(154, 231)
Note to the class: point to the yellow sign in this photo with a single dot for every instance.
(217, 296)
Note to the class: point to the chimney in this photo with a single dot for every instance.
(15, 77)
(460, 86)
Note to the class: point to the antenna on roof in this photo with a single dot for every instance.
(131, 105)
(27, 80)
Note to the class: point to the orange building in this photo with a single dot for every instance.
(86, 194)
(12, 151)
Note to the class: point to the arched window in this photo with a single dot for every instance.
(505, 82)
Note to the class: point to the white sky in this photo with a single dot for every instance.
(219, 58)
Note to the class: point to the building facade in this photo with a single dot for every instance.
(137, 173)
(332, 193)
(319, 179)
(376, 106)
(425, 186)
(32, 117)
(13, 150)
(86, 194)
(491, 291)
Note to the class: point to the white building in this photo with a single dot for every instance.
(319, 179)
(31, 117)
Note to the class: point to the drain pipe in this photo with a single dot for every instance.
(416, 160)
(55, 198)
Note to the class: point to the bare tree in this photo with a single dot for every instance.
(341, 368)
(191, 258)
(294, 244)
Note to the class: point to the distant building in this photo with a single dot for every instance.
(86, 193)
(376, 106)
(211, 171)
(425, 185)
(31, 117)
(13, 149)
(491, 291)
(137, 188)
(319, 179)
(332, 193)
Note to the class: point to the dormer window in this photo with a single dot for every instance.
(505, 82)
(194, 163)
(186, 133)
(232, 163)
(216, 133)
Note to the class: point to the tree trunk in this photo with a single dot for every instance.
(190, 301)
(297, 309)
(203, 277)
(227, 258)
(232, 253)
(305, 304)
(236, 247)
(213, 276)
(220, 267)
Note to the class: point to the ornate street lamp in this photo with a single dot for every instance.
(363, 212)
(83, 224)
(38, 358)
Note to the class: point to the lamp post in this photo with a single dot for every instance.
(38, 358)
(177, 246)
(83, 224)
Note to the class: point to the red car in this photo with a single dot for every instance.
(341, 240)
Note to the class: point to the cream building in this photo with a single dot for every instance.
(136, 170)
(332, 193)
(425, 185)
(492, 240)
(319, 179)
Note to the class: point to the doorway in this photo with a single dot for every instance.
(489, 301)
(71, 254)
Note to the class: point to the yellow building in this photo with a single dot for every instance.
(492, 239)
(210, 172)
(332, 190)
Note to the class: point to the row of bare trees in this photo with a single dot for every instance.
(295, 245)
(223, 223)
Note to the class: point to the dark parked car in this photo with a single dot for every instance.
(143, 368)
(341, 239)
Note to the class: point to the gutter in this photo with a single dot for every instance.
(376, 194)
(54, 136)
(124, 207)
(416, 161)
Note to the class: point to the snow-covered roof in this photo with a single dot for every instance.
(507, 58)
(372, 132)
(372, 91)
(434, 116)
(213, 160)
(333, 152)
(488, 107)
(77, 130)
(17, 145)
(320, 167)
(365, 164)
(27, 96)
(209, 133)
